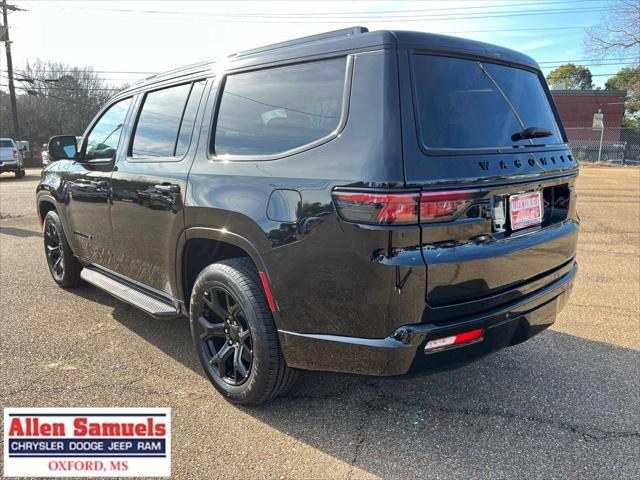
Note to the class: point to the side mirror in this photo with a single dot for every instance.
(63, 147)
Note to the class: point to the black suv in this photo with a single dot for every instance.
(363, 202)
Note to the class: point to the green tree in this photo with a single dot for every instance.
(570, 77)
(628, 79)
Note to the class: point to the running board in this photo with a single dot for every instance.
(130, 294)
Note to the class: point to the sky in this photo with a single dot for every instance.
(126, 41)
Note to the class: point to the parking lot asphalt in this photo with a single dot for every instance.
(565, 404)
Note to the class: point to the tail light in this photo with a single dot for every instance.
(378, 208)
(15, 153)
(434, 205)
(401, 208)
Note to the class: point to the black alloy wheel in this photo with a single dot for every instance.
(234, 333)
(63, 265)
(54, 250)
(226, 336)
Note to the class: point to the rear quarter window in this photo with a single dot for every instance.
(271, 111)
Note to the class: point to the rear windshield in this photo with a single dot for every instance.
(6, 144)
(471, 104)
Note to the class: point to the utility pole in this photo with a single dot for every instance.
(7, 47)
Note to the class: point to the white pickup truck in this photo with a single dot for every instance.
(11, 159)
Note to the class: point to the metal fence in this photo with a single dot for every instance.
(614, 146)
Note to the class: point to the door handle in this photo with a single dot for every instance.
(167, 188)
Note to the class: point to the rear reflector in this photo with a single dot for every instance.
(267, 291)
(454, 340)
(373, 208)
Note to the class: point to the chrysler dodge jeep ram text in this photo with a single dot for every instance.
(365, 202)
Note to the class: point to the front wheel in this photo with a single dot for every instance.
(234, 334)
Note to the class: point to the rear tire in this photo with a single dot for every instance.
(234, 334)
(63, 265)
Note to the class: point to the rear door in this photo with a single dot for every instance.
(498, 213)
(148, 185)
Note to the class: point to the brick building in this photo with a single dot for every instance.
(577, 107)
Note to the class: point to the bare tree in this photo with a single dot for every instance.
(54, 98)
(618, 33)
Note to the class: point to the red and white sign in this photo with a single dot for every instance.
(525, 210)
(87, 442)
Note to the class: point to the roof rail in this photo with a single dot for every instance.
(343, 32)
(187, 69)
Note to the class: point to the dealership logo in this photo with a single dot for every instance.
(87, 442)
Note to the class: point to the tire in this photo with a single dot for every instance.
(234, 334)
(63, 265)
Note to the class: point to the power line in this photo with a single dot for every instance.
(533, 29)
(89, 89)
(556, 63)
(590, 60)
(40, 94)
(600, 75)
(116, 89)
(75, 89)
(70, 101)
(274, 18)
(360, 14)
(499, 30)
(588, 65)
(72, 70)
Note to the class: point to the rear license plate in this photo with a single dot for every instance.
(525, 210)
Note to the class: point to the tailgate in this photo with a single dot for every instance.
(475, 271)
(479, 255)
(491, 129)
(6, 155)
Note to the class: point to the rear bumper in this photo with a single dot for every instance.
(8, 166)
(403, 351)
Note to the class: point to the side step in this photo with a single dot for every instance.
(130, 294)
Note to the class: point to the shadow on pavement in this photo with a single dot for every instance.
(556, 406)
(19, 232)
(9, 177)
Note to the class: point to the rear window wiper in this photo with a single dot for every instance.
(531, 132)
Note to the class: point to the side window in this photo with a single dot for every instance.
(166, 121)
(189, 118)
(271, 111)
(102, 142)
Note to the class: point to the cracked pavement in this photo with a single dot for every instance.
(565, 404)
